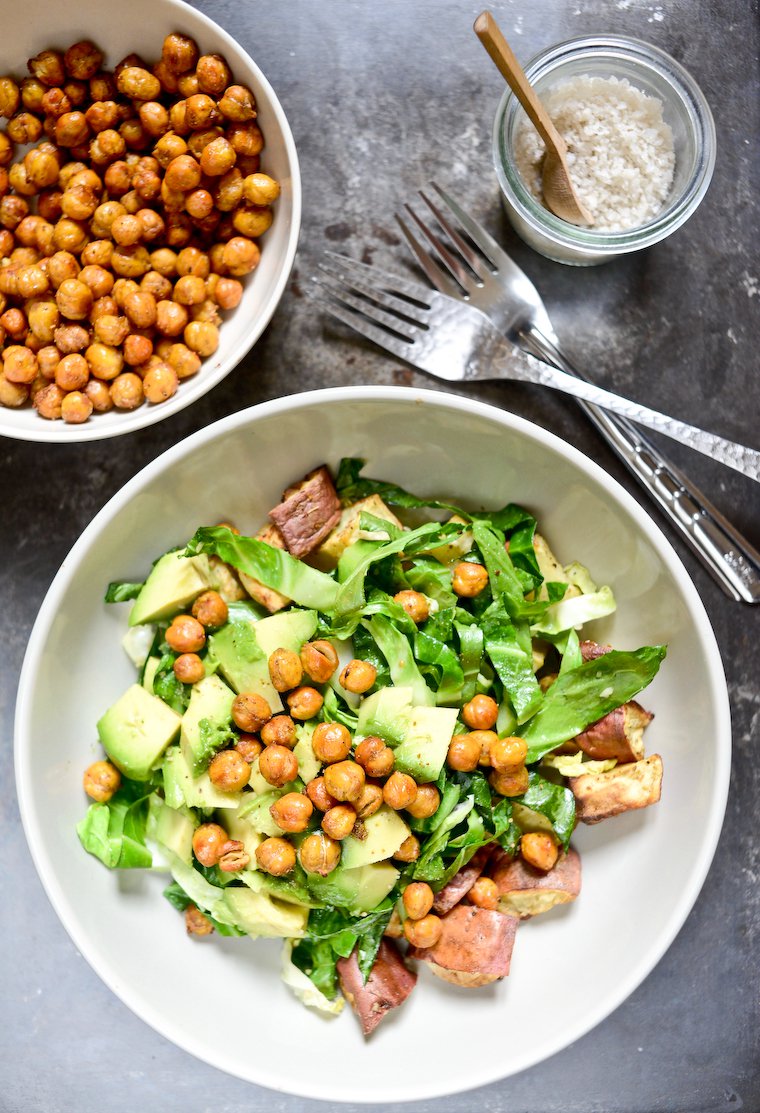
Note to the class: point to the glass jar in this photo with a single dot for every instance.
(684, 109)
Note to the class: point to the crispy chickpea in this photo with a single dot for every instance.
(72, 372)
(189, 290)
(508, 754)
(19, 180)
(169, 147)
(154, 118)
(78, 202)
(249, 710)
(178, 118)
(201, 111)
(399, 791)
(227, 293)
(228, 190)
(104, 361)
(41, 168)
(140, 307)
(183, 174)
(157, 285)
(62, 266)
(276, 856)
(199, 203)
(98, 279)
(469, 579)
(111, 329)
(187, 85)
(252, 222)
(191, 261)
(207, 312)
(10, 96)
(171, 318)
(484, 894)
(418, 899)
(104, 307)
(43, 318)
(160, 382)
(260, 189)
(186, 635)
(109, 144)
(127, 229)
(370, 801)
(20, 364)
(409, 851)
(425, 932)
(331, 742)
(513, 783)
(344, 780)
(375, 757)
(416, 605)
(358, 676)
(229, 771)
(292, 812)
(240, 256)
(32, 281)
(48, 67)
(55, 103)
(213, 74)
(101, 781)
(76, 408)
(69, 236)
(12, 211)
(189, 668)
(280, 731)
(480, 713)
(99, 395)
(237, 104)
(83, 60)
(180, 53)
(319, 660)
(6, 149)
(130, 260)
(32, 92)
(104, 217)
(319, 853)
(138, 84)
(101, 114)
(196, 923)
(285, 669)
(319, 796)
(122, 288)
(127, 391)
(72, 129)
(23, 128)
(247, 140)
(15, 323)
(218, 157)
(13, 394)
(48, 401)
(339, 821)
(278, 765)
(47, 359)
(425, 803)
(539, 849)
(210, 609)
(249, 746)
(208, 840)
(152, 227)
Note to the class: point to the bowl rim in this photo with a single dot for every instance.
(710, 828)
(57, 432)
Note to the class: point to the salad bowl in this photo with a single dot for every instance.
(642, 870)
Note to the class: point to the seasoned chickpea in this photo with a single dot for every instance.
(160, 382)
(416, 605)
(201, 337)
(251, 222)
(104, 361)
(370, 801)
(278, 765)
(276, 856)
(74, 299)
(418, 899)
(130, 260)
(61, 266)
(187, 85)
(319, 660)
(12, 211)
(154, 118)
(237, 104)
(127, 229)
(425, 932)
(189, 668)
(101, 780)
(189, 290)
(292, 812)
(339, 821)
(183, 174)
(375, 757)
(72, 129)
(260, 189)
(105, 215)
(358, 676)
(331, 742)
(344, 780)
(23, 128)
(240, 256)
(186, 635)
(319, 796)
(539, 849)
(32, 92)
(76, 407)
(184, 362)
(208, 840)
(305, 702)
(72, 372)
(43, 318)
(409, 851)
(217, 157)
(228, 190)
(425, 803)
(469, 579)
(98, 279)
(13, 394)
(229, 771)
(285, 669)
(180, 53)
(20, 364)
(140, 307)
(196, 923)
(169, 147)
(99, 395)
(127, 391)
(319, 853)
(463, 753)
(191, 261)
(213, 74)
(101, 114)
(200, 111)
(109, 144)
(10, 96)
(513, 783)
(111, 329)
(48, 401)
(138, 84)
(41, 168)
(227, 293)
(83, 60)
(480, 713)
(508, 754)
(485, 894)
(248, 142)
(280, 730)
(157, 285)
(399, 791)
(249, 710)
(249, 746)
(210, 609)
(171, 318)
(199, 203)
(15, 323)
(152, 226)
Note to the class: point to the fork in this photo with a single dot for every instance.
(458, 343)
(490, 280)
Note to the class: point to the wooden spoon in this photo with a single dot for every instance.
(558, 189)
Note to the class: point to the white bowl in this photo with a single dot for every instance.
(642, 871)
(140, 26)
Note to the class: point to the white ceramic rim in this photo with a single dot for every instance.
(712, 822)
(56, 432)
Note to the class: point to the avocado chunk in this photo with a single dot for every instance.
(181, 787)
(240, 829)
(386, 713)
(289, 889)
(174, 581)
(136, 730)
(259, 914)
(386, 831)
(255, 810)
(359, 889)
(209, 710)
(308, 762)
(174, 830)
(423, 751)
(149, 673)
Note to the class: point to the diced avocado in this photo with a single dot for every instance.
(386, 713)
(360, 889)
(386, 831)
(308, 762)
(174, 581)
(289, 889)
(239, 828)
(285, 631)
(255, 810)
(174, 830)
(209, 898)
(181, 787)
(424, 749)
(136, 730)
(260, 914)
(149, 673)
(210, 699)
(257, 781)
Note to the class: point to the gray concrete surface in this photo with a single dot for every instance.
(381, 98)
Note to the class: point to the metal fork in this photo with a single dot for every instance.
(490, 280)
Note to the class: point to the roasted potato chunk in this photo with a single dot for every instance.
(599, 796)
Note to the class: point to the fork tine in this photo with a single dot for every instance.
(363, 326)
(491, 250)
(442, 252)
(394, 283)
(435, 273)
(364, 282)
(334, 287)
(474, 262)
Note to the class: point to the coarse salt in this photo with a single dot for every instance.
(620, 150)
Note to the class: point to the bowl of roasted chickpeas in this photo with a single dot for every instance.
(149, 215)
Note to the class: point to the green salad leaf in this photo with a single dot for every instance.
(120, 591)
(114, 831)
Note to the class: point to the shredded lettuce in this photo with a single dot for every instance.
(115, 831)
(307, 990)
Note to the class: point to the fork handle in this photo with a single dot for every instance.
(726, 554)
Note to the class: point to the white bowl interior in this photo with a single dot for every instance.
(140, 26)
(642, 871)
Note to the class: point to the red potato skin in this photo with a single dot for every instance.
(515, 875)
(591, 650)
(308, 512)
(617, 735)
(474, 941)
(461, 883)
(389, 984)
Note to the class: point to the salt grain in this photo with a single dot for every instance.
(620, 150)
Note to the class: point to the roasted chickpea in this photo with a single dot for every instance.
(409, 851)
(217, 157)
(83, 60)
(138, 84)
(358, 676)
(171, 318)
(20, 364)
(12, 211)
(425, 803)
(251, 222)
(331, 742)
(72, 372)
(319, 853)
(485, 894)
(285, 669)
(180, 53)
(169, 147)
(102, 114)
(191, 261)
(187, 85)
(69, 236)
(292, 812)
(319, 796)
(99, 395)
(416, 605)
(112, 330)
(189, 290)
(375, 757)
(229, 771)
(43, 318)
(130, 260)
(41, 168)
(399, 791)
(199, 203)
(469, 579)
(105, 362)
(23, 128)
(418, 899)
(127, 229)
(72, 129)
(249, 746)
(98, 279)
(152, 226)
(154, 118)
(480, 713)
(339, 821)
(227, 293)
(55, 103)
(70, 338)
(104, 216)
(237, 104)
(539, 849)
(249, 710)
(183, 174)
(425, 932)
(76, 408)
(370, 801)
(47, 401)
(196, 923)
(319, 660)
(201, 337)
(189, 668)
(508, 754)
(127, 391)
(485, 739)
(278, 765)
(210, 609)
(32, 282)
(186, 635)
(513, 783)
(13, 394)
(10, 97)
(246, 139)
(32, 92)
(280, 730)
(101, 780)
(48, 358)
(6, 149)
(18, 179)
(208, 840)
(213, 74)
(15, 323)
(305, 702)
(200, 112)
(240, 256)
(344, 780)
(157, 285)
(260, 189)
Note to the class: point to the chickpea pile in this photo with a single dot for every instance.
(125, 227)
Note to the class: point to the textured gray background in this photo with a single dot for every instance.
(382, 97)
